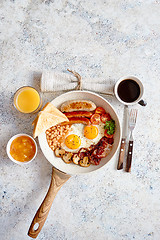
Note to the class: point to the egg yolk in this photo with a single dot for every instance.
(73, 141)
(91, 132)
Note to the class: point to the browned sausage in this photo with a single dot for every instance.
(78, 105)
(78, 114)
(74, 120)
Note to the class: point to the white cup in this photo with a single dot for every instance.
(9, 145)
(140, 91)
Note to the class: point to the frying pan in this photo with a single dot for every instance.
(61, 171)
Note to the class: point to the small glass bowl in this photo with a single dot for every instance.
(9, 145)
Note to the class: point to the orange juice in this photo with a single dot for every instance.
(27, 100)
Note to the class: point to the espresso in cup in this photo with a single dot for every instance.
(129, 90)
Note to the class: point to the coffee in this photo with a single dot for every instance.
(128, 90)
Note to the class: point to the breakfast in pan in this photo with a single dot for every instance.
(78, 132)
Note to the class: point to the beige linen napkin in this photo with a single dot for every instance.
(56, 81)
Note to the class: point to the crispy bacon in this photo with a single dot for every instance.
(94, 160)
(104, 141)
(91, 148)
(83, 152)
(98, 151)
(102, 151)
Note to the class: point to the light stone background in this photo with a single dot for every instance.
(97, 39)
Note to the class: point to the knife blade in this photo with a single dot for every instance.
(123, 140)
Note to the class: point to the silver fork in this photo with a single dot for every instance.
(131, 123)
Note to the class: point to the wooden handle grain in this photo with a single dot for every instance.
(57, 181)
(121, 154)
(129, 157)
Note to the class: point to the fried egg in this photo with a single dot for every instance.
(73, 141)
(91, 132)
(82, 136)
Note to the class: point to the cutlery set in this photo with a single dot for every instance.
(128, 123)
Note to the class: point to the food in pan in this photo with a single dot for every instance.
(86, 138)
(74, 120)
(81, 135)
(56, 134)
(78, 114)
(48, 117)
(78, 105)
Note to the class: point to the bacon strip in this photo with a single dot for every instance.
(98, 151)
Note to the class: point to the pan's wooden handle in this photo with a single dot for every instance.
(57, 181)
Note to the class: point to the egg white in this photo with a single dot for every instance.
(78, 129)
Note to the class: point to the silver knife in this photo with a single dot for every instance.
(124, 138)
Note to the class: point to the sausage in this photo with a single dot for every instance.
(78, 105)
(74, 120)
(78, 114)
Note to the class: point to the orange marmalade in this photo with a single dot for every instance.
(23, 149)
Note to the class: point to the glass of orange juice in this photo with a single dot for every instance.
(27, 100)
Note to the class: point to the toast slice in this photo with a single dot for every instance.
(48, 117)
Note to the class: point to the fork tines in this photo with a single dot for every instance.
(133, 115)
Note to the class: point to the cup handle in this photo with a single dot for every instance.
(142, 102)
